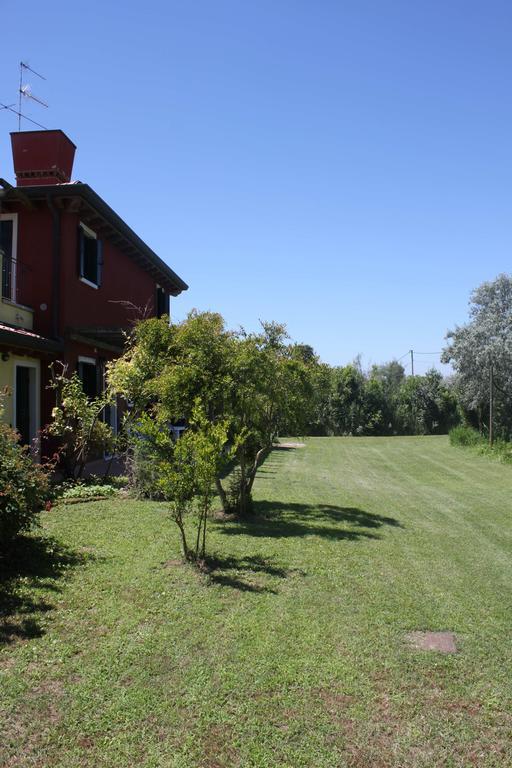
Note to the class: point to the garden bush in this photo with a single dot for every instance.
(466, 436)
(24, 487)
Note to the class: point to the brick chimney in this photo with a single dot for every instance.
(42, 157)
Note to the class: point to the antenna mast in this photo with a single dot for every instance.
(25, 91)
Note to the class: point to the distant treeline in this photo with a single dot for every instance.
(382, 401)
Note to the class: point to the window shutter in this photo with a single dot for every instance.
(80, 252)
(99, 254)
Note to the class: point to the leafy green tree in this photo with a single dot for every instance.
(77, 423)
(485, 341)
(426, 405)
(250, 381)
(269, 393)
(187, 475)
(348, 399)
(374, 410)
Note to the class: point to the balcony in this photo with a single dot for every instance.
(16, 294)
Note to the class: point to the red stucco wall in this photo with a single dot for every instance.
(122, 280)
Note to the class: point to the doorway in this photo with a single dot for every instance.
(26, 401)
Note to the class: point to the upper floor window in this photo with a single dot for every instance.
(162, 302)
(90, 250)
(8, 237)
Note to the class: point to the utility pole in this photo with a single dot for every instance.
(412, 362)
(491, 404)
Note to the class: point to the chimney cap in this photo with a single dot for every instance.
(46, 130)
(42, 157)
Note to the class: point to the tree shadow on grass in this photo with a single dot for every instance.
(226, 572)
(29, 565)
(274, 519)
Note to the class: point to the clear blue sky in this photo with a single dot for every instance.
(344, 167)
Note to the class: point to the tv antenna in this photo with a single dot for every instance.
(25, 92)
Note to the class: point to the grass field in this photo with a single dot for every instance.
(293, 651)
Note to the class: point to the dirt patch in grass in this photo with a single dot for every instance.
(335, 704)
(218, 749)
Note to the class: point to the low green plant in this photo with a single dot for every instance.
(467, 437)
(500, 449)
(85, 491)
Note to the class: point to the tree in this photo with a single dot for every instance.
(250, 381)
(270, 390)
(348, 399)
(426, 405)
(187, 475)
(483, 343)
(77, 423)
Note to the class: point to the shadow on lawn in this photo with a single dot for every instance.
(31, 564)
(226, 570)
(274, 519)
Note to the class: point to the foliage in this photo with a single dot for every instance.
(77, 424)
(255, 383)
(383, 401)
(269, 393)
(24, 487)
(466, 436)
(485, 341)
(469, 437)
(425, 405)
(187, 476)
(86, 491)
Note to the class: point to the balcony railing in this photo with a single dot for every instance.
(16, 281)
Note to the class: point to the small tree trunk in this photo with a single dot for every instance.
(184, 545)
(257, 461)
(108, 468)
(242, 501)
(203, 550)
(198, 537)
(222, 495)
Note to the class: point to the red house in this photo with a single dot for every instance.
(74, 277)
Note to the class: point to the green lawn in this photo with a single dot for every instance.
(293, 651)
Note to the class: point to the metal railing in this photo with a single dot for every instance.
(16, 281)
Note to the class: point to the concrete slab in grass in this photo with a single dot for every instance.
(443, 642)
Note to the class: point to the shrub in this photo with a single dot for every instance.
(501, 450)
(87, 491)
(24, 487)
(466, 436)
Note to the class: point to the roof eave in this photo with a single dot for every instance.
(175, 284)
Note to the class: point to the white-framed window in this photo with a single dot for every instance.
(90, 256)
(8, 251)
